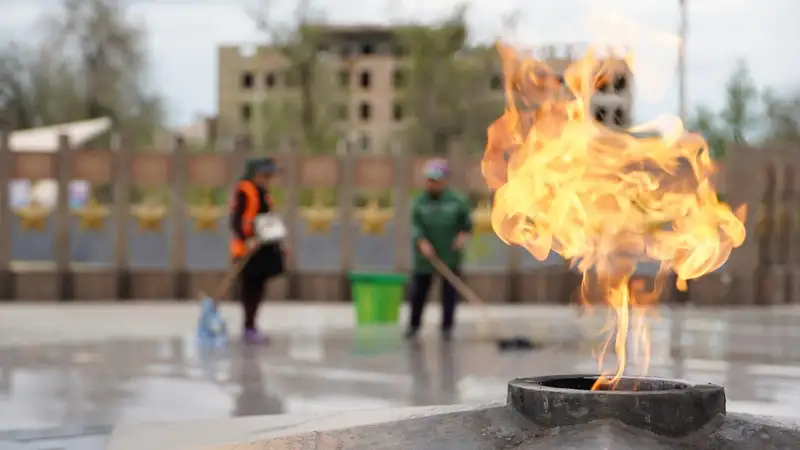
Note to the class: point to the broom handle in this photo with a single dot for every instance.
(462, 288)
(465, 291)
(226, 283)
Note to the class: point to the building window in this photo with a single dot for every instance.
(496, 83)
(619, 117)
(398, 112)
(270, 80)
(246, 112)
(364, 141)
(344, 78)
(399, 78)
(367, 49)
(365, 79)
(339, 111)
(600, 114)
(620, 84)
(247, 80)
(365, 111)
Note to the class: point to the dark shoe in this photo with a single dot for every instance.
(411, 334)
(447, 335)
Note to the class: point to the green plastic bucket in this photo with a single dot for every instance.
(377, 297)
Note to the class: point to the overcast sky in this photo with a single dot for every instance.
(183, 36)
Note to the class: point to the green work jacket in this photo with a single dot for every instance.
(439, 220)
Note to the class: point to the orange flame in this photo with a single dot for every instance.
(603, 199)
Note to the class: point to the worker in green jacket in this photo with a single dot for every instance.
(440, 227)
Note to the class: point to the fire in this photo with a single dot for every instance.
(603, 199)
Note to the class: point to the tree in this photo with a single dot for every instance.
(16, 110)
(783, 118)
(738, 118)
(706, 122)
(103, 52)
(430, 98)
(37, 87)
(481, 98)
(449, 94)
(309, 116)
(741, 97)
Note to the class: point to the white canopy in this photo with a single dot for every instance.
(45, 139)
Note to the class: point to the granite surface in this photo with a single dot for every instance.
(492, 427)
(71, 372)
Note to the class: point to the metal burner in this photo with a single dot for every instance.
(665, 407)
(554, 412)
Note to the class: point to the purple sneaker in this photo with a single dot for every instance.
(252, 336)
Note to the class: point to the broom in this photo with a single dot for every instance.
(212, 330)
(503, 343)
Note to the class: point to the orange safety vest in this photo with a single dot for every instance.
(238, 247)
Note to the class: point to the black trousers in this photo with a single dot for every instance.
(251, 292)
(420, 288)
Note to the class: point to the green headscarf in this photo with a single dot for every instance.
(252, 166)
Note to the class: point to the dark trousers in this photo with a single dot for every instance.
(420, 287)
(251, 291)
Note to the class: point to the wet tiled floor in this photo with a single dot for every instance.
(90, 382)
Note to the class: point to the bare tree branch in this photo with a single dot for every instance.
(299, 42)
(449, 97)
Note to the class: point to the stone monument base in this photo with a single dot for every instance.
(543, 413)
(252, 431)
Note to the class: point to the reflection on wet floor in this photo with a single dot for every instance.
(70, 395)
(169, 379)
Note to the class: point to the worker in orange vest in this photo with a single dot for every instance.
(258, 235)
